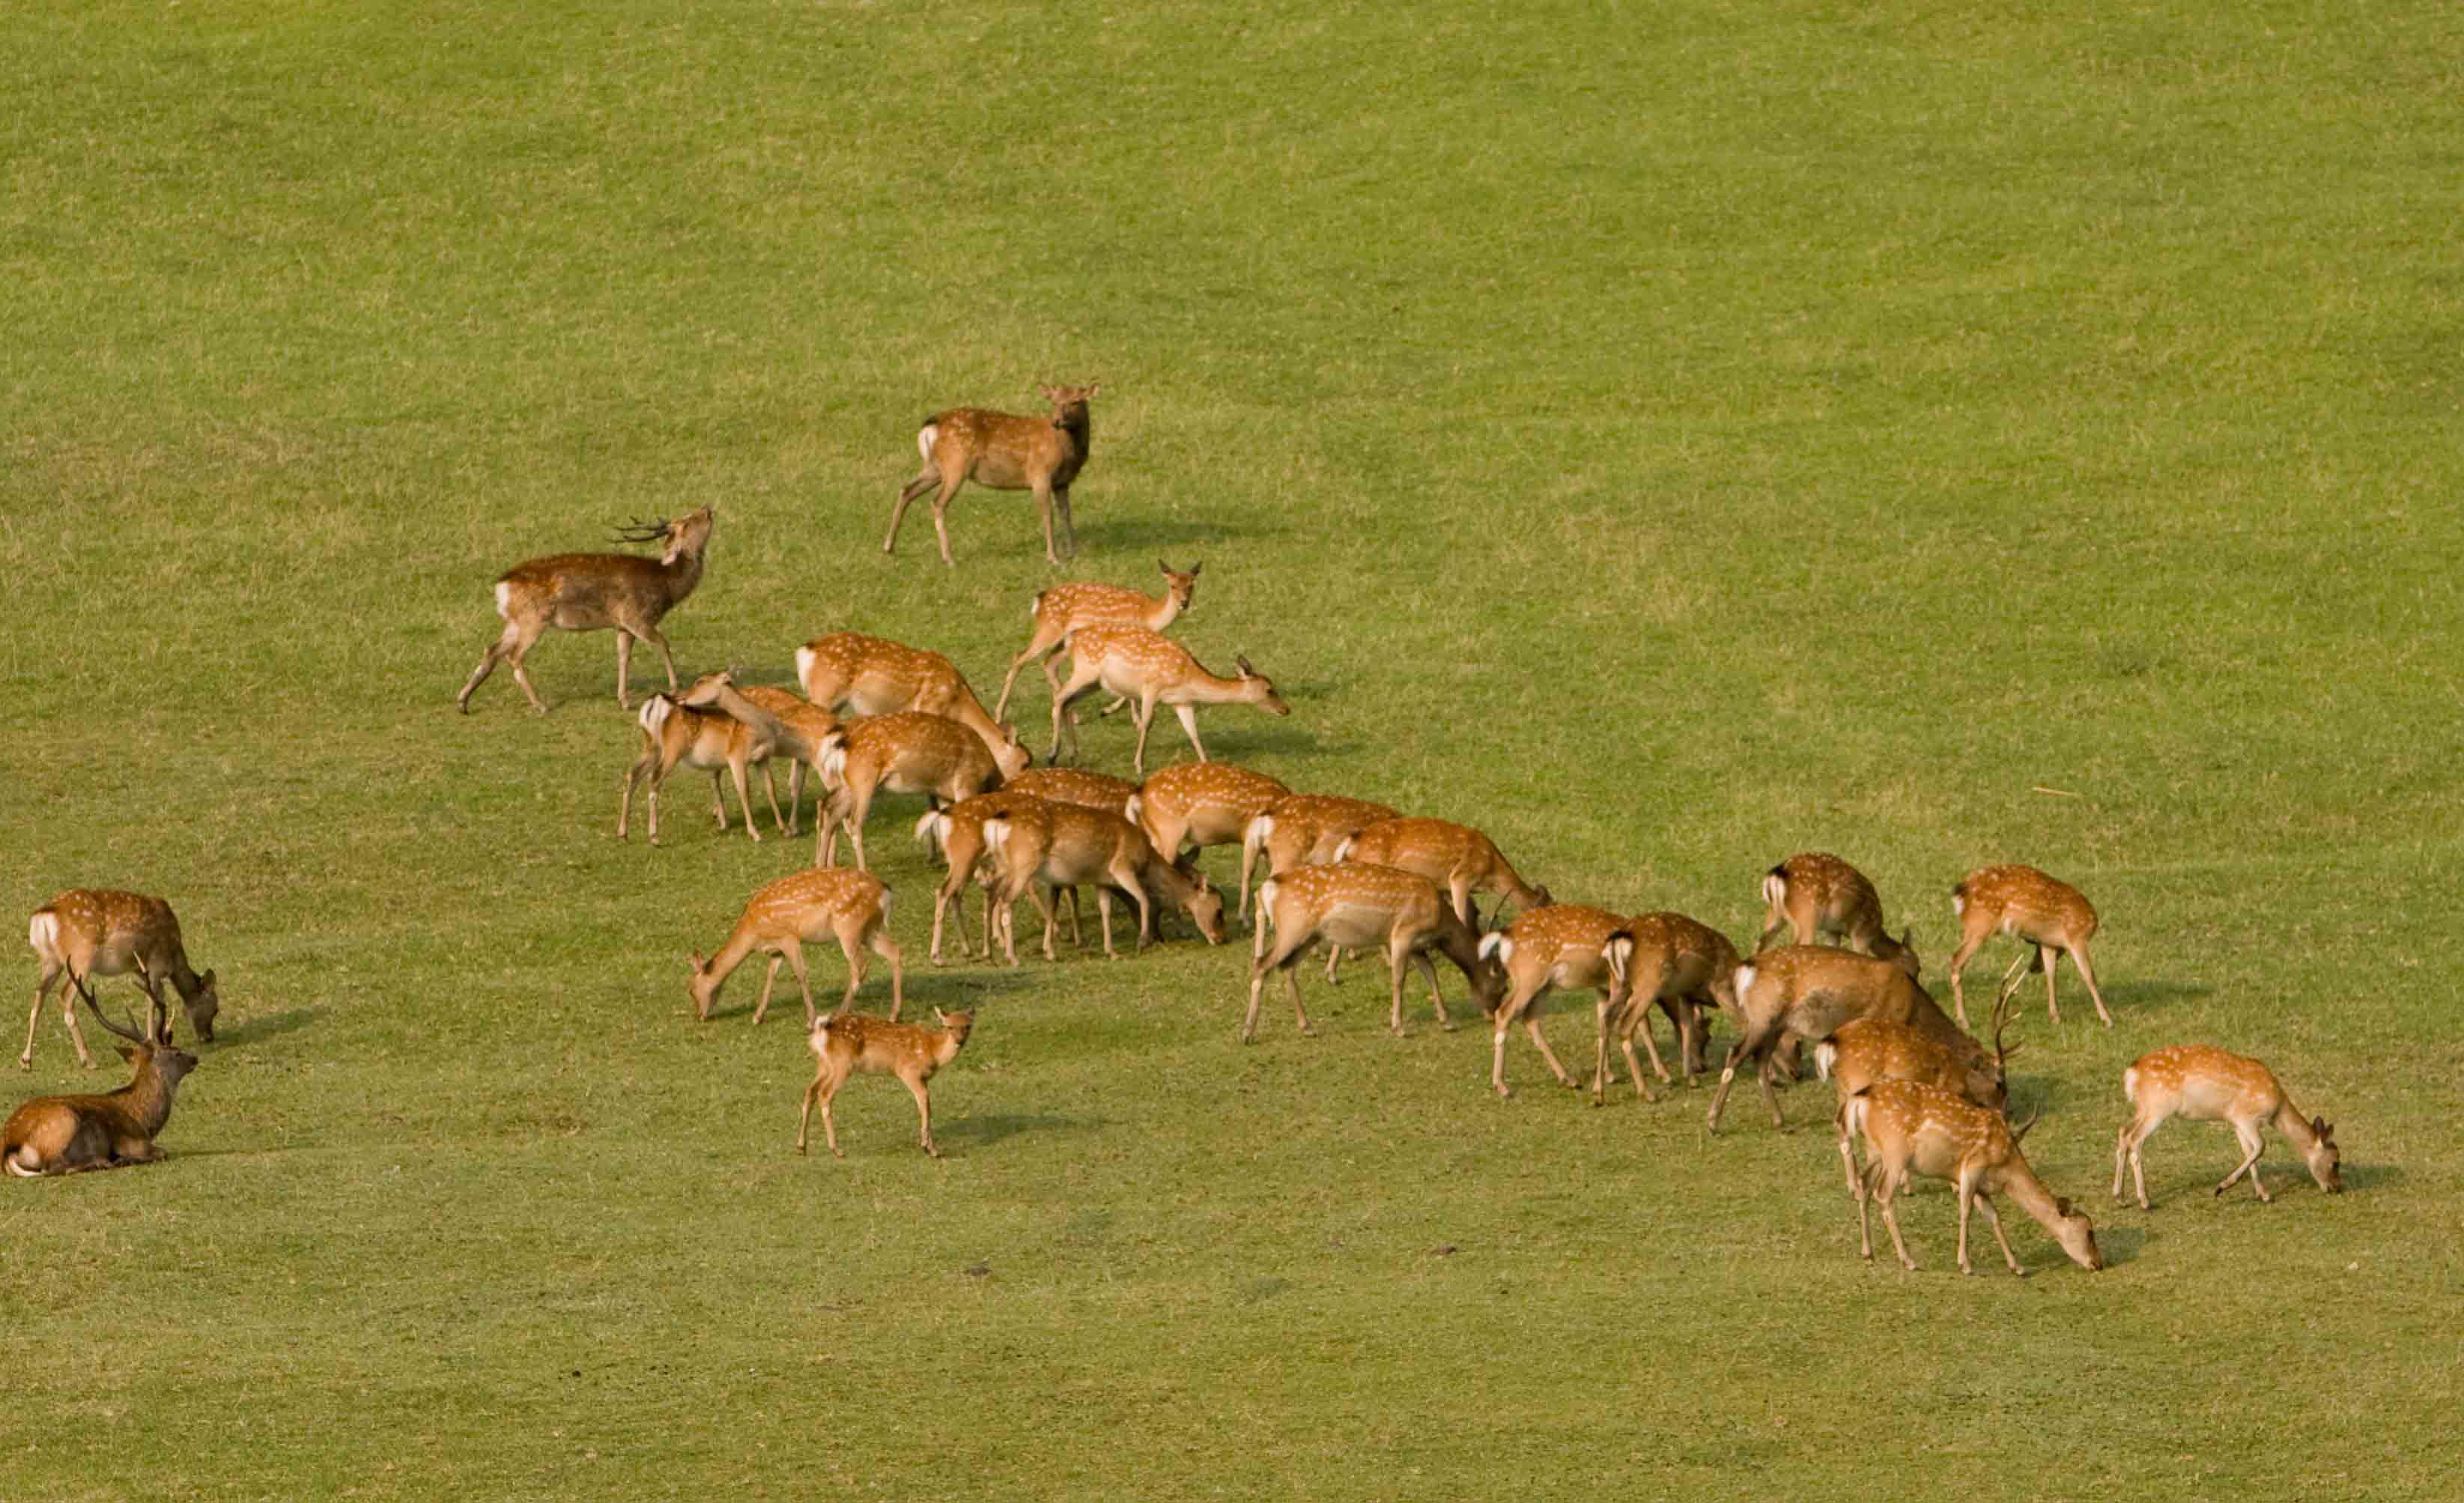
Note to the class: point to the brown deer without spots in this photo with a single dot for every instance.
(1909, 1128)
(593, 591)
(850, 1044)
(2050, 919)
(1065, 609)
(2201, 1083)
(88, 932)
(1361, 906)
(822, 902)
(65, 1134)
(1147, 668)
(1002, 451)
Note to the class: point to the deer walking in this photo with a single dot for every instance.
(1814, 892)
(1362, 906)
(673, 735)
(958, 830)
(1147, 668)
(820, 902)
(1002, 451)
(1456, 857)
(1909, 1128)
(875, 676)
(848, 1044)
(1804, 992)
(794, 726)
(1683, 967)
(1563, 944)
(594, 591)
(2201, 1083)
(1063, 608)
(1099, 790)
(2050, 919)
(909, 752)
(1201, 803)
(87, 932)
(1303, 829)
(65, 1134)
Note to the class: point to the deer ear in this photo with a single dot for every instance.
(2061, 1205)
(1243, 664)
(1092, 387)
(127, 1053)
(1193, 568)
(2323, 1127)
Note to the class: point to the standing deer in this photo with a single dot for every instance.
(1814, 894)
(592, 591)
(1147, 668)
(848, 1044)
(63, 1135)
(878, 676)
(2051, 919)
(1359, 905)
(1683, 967)
(958, 831)
(1562, 945)
(1804, 992)
(1062, 844)
(1099, 790)
(1002, 451)
(2201, 1083)
(1909, 1128)
(1202, 803)
(1063, 608)
(794, 725)
(834, 902)
(1865, 1049)
(1456, 857)
(1303, 829)
(909, 752)
(710, 739)
(88, 932)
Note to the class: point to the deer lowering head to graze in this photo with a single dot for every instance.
(849, 1043)
(88, 932)
(820, 902)
(591, 591)
(1684, 968)
(875, 676)
(2050, 919)
(1915, 1129)
(1456, 857)
(1002, 451)
(63, 1135)
(909, 752)
(1805, 991)
(1147, 668)
(794, 726)
(2201, 1083)
(1814, 894)
(1865, 1049)
(1050, 845)
(1063, 608)
(1562, 945)
(672, 735)
(1201, 804)
(1361, 906)
(1097, 790)
(1303, 829)
(958, 832)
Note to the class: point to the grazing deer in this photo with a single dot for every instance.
(1358, 905)
(1562, 945)
(909, 752)
(1456, 857)
(1063, 845)
(835, 903)
(1683, 967)
(1147, 668)
(1911, 1128)
(2051, 918)
(1002, 451)
(1201, 803)
(849, 1043)
(1814, 894)
(794, 724)
(88, 932)
(1063, 608)
(1805, 991)
(2201, 1083)
(1865, 1049)
(1099, 790)
(63, 1135)
(710, 739)
(591, 591)
(959, 832)
(1303, 829)
(878, 676)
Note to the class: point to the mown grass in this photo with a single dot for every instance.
(1666, 437)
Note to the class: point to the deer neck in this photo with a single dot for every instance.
(778, 731)
(2017, 1180)
(146, 1100)
(682, 573)
(1161, 613)
(2295, 1127)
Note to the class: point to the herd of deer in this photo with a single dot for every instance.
(1914, 1088)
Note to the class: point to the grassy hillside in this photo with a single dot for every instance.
(1667, 437)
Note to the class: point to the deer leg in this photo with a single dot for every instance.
(524, 638)
(1540, 1042)
(830, 1123)
(1043, 510)
(770, 791)
(2250, 1148)
(859, 804)
(804, 1119)
(1080, 682)
(1883, 1193)
(2087, 973)
(2052, 961)
(1077, 934)
(1068, 526)
(1144, 713)
(1864, 1228)
(1848, 1161)
(1104, 912)
(508, 643)
(624, 790)
(942, 518)
(1188, 713)
(1333, 959)
(1042, 895)
(717, 799)
(624, 669)
(1966, 1184)
(923, 482)
(1505, 1020)
(1600, 1053)
(1638, 1016)
(744, 798)
(769, 976)
(1437, 998)
(1994, 1219)
(883, 945)
(916, 1088)
(795, 953)
(1959, 959)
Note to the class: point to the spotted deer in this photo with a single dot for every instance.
(794, 724)
(2050, 919)
(595, 591)
(1063, 608)
(1814, 894)
(1562, 945)
(1805, 992)
(1147, 668)
(712, 741)
(87, 932)
(1862, 1050)
(849, 1044)
(1916, 1129)
(1682, 967)
(1302, 829)
(875, 676)
(909, 752)
(1456, 857)
(958, 832)
(1063, 845)
(1099, 790)
(1364, 906)
(1002, 451)
(820, 902)
(1201, 804)
(2201, 1083)
(65, 1134)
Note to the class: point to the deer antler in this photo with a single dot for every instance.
(2002, 1013)
(638, 531)
(2021, 1131)
(104, 1018)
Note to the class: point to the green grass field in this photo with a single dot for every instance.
(1665, 436)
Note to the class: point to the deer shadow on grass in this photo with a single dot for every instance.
(271, 1025)
(1142, 534)
(986, 1129)
(2120, 1244)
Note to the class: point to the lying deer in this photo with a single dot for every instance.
(1360, 906)
(849, 1044)
(65, 1134)
(592, 591)
(2201, 1083)
(1147, 668)
(1063, 845)
(1562, 945)
(2051, 919)
(89, 931)
(1804, 992)
(836, 902)
(1001, 451)
(1814, 894)
(1063, 608)
(909, 752)
(1865, 1049)
(1909, 1128)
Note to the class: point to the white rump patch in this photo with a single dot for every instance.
(1959, 905)
(1825, 1055)
(1261, 830)
(1857, 1106)
(928, 830)
(1343, 852)
(1774, 889)
(1132, 811)
(2130, 1085)
(804, 665)
(1744, 981)
(1495, 944)
(44, 933)
(834, 758)
(505, 599)
(884, 900)
(656, 712)
(996, 834)
(925, 439)
(1267, 895)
